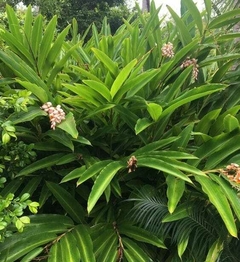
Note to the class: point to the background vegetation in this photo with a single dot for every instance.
(124, 140)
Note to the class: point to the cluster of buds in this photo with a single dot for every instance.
(167, 50)
(232, 172)
(56, 114)
(189, 62)
(132, 164)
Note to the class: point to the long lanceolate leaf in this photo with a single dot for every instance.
(84, 243)
(67, 201)
(102, 181)
(42, 230)
(161, 165)
(219, 200)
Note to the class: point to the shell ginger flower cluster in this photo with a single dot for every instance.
(232, 172)
(167, 50)
(189, 62)
(56, 114)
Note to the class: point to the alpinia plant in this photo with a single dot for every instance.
(142, 124)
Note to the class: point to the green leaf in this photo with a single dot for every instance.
(84, 243)
(122, 76)
(215, 250)
(102, 181)
(106, 60)
(55, 50)
(32, 113)
(193, 10)
(181, 27)
(182, 245)
(32, 255)
(35, 89)
(175, 191)
(162, 166)
(192, 95)
(90, 172)
(133, 252)
(69, 125)
(46, 42)
(76, 173)
(100, 88)
(155, 145)
(141, 235)
(41, 164)
(67, 201)
(13, 23)
(228, 16)
(37, 32)
(142, 124)
(155, 110)
(61, 137)
(230, 193)
(135, 84)
(219, 200)
(69, 250)
(180, 212)
(230, 123)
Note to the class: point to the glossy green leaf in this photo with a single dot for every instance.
(122, 76)
(69, 250)
(228, 147)
(175, 189)
(13, 23)
(191, 95)
(54, 51)
(230, 193)
(109, 252)
(133, 85)
(69, 125)
(32, 255)
(230, 123)
(41, 164)
(55, 253)
(61, 63)
(182, 245)
(106, 60)
(100, 88)
(102, 181)
(61, 137)
(31, 114)
(76, 173)
(133, 252)
(180, 212)
(192, 8)
(215, 251)
(141, 235)
(219, 200)
(67, 201)
(84, 243)
(142, 124)
(162, 166)
(155, 110)
(155, 145)
(217, 22)
(31, 186)
(181, 27)
(46, 41)
(37, 32)
(90, 172)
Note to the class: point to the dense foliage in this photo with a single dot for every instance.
(125, 140)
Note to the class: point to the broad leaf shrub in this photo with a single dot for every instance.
(129, 135)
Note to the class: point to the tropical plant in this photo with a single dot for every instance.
(134, 164)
